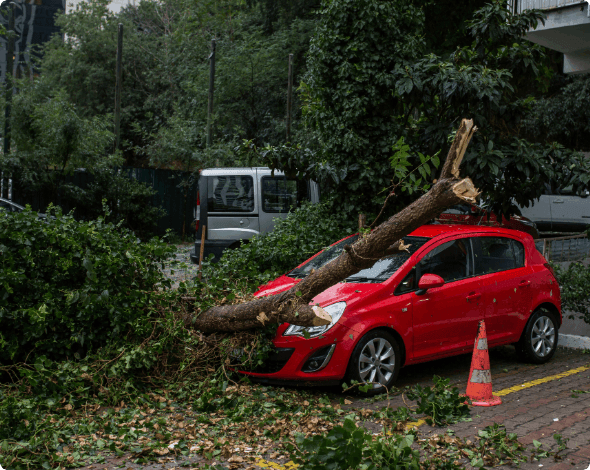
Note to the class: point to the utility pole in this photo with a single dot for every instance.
(118, 86)
(289, 97)
(211, 90)
(9, 78)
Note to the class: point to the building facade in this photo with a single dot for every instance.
(567, 30)
(34, 23)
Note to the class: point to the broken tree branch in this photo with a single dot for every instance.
(292, 306)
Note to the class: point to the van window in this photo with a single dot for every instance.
(282, 194)
(230, 193)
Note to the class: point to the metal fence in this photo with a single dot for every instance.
(521, 5)
(176, 193)
(569, 248)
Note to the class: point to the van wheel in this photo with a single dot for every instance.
(376, 359)
(539, 338)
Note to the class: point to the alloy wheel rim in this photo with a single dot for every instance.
(543, 336)
(377, 362)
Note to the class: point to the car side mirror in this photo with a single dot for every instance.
(429, 281)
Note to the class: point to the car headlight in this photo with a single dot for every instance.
(335, 311)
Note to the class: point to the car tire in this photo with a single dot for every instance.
(376, 358)
(540, 337)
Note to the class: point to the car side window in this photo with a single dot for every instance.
(493, 254)
(408, 284)
(449, 261)
(518, 253)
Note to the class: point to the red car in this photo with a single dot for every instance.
(419, 306)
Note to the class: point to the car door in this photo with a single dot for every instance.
(540, 212)
(569, 211)
(445, 319)
(499, 262)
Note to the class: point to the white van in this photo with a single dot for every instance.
(234, 204)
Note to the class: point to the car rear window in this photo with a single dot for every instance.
(379, 272)
(493, 254)
(230, 193)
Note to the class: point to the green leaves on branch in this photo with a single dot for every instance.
(348, 447)
(441, 403)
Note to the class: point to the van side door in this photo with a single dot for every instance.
(278, 196)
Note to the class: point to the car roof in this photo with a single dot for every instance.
(434, 230)
(239, 171)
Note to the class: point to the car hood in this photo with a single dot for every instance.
(349, 292)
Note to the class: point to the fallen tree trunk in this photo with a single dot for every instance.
(292, 306)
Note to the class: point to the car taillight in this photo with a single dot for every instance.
(198, 217)
(550, 268)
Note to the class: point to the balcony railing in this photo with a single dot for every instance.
(521, 5)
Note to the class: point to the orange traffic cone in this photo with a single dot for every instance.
(479, 387)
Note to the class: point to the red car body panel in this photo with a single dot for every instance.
(442, 322)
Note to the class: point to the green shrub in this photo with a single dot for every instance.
(574, 282)
(303, 233)
(69, 287)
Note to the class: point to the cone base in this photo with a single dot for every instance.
(493, 401)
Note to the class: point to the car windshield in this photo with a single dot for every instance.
(379, 272)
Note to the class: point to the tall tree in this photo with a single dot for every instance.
(367, 87)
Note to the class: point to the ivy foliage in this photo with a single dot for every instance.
(71, 287)
(348, 90)
(574, 283)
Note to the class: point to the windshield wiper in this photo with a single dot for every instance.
(360, 279)
(296, 275)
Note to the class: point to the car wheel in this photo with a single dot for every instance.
(376, 359)
(539, 338)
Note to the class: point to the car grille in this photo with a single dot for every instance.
(275, 361)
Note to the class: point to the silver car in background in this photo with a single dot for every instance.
(560, 210)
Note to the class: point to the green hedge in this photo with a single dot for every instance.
(69, 287)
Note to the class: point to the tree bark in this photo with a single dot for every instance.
(292, 306)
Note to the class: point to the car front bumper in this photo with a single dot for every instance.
(291, 369)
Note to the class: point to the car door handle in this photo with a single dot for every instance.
(557, 201)
(474, 296)
(524, 283)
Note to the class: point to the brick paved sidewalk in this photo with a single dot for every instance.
(533, 413)
(539, 412)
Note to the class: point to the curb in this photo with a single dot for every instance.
(574, 341)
